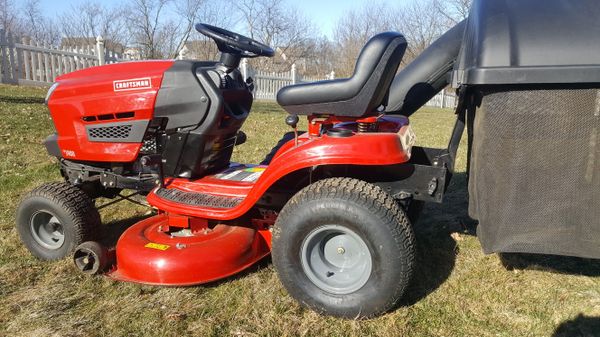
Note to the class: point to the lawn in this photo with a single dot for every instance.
(457, 291)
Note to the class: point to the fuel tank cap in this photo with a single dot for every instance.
(339, 133)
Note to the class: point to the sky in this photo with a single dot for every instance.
(323, 13)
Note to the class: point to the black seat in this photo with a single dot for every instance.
(362, 93)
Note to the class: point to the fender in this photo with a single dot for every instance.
(384, 148)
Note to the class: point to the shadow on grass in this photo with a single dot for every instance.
(113, 230)
(22, 99)
(263, 263)
(436, 248)
(551, 263)
(580, 326)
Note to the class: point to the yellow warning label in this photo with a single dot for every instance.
(158, 246)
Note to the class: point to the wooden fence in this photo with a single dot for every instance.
(26, 62)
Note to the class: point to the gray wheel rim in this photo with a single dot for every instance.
(336, 259)
(47, 230)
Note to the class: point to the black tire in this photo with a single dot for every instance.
(363, 209)
(69, 208)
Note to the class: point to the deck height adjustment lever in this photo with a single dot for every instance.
(292, 121)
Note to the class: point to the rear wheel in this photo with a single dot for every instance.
(55, 218)
(344, 247)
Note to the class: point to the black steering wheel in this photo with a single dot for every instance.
(234, 43)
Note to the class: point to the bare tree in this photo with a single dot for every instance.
(189, 11)
(145, 26)
(421, 24)
(161, 28)
(8, 16)
(216, 14)
(321, 58)
(280, 26)
(37, 26)
(355, 28)
(169, 38)
(89, 20)
(249, 10)
(453, 11)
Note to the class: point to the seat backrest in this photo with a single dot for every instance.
(363, 92)
(377, 65)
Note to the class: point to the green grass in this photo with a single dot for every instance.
(457, 291)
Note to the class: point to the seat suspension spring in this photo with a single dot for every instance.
(367, 127)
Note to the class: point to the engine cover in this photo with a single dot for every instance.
(101, 113)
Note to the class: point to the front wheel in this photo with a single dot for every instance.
(344, 247)
(55, 218)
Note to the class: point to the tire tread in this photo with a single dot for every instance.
(378, 202)
(76, 203)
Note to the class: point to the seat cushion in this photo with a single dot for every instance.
(318, 92)
(374, 71)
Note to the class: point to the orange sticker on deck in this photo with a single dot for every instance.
(157, 246)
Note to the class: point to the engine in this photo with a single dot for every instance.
(186, 115)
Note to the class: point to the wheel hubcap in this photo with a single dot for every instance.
(47, 230)
(336, 259)
(86, 261)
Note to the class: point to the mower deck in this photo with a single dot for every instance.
(154, 251)
(177, 249)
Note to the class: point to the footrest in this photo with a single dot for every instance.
(198, 199)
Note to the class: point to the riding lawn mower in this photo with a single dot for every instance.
(332, 205)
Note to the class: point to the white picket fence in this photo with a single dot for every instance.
(29, 63)
(443, 100)
(26, 62)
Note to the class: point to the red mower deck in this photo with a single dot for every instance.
(155, 252)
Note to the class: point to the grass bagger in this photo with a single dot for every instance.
(332, 205)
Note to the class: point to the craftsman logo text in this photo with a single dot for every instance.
(133, 84)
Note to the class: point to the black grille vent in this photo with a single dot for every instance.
(198, 199)
(110, 132)
(149, 146)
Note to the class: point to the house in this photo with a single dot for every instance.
(132, 53)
